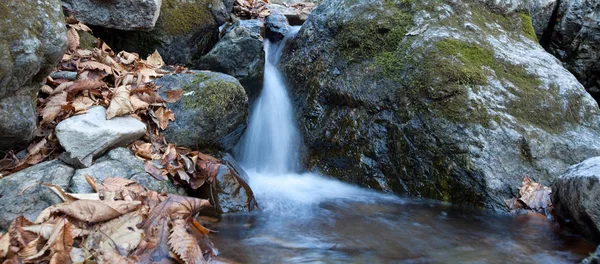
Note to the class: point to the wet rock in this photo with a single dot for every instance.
(24, 193)
(240, 54)
(294, 16)
(593, 258)
(87, 136)
(184, 31)
(276, 27)
(576, 41)
(121, 163)
(212, 113)
(407, 98)
(124, 14)
(576, 198)
(32, 41)
(233, 192)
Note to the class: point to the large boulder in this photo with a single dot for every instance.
(184, 31)
(120, 163)
(576, 198)
(32, 41)
(454, 101)
(24, 192)
(123, 14)
(240, 54)
(212, 113)
(576, 41)
(90, 135)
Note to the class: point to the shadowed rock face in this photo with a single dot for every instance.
(451, 100)
(32, 41)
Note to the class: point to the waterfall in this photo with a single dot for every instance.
(270, 143)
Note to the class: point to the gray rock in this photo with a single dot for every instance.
(17, 121)
(576, 198)
(121, 163)
(294, 16)
(184, 31)
(240, 54)
(87, 136)
(541, 13)
(123, 14)
(24, 193)
(277, 27)
(576, 41)
(234, 195)
(212, 113)
(32, 41)
(593, 258)
(408, 98)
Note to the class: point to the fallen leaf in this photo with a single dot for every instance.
(137, 103)
(120, 104)
(72, 39)
(82, 103)
(35, 147)
(46, 89)
(155, 60)
(184, 244)
(94, 65)
(173, 95)
(4, 245)
(164, 116)
(155, 172)
(53, 107)
(82, 85)
(120, 234)
(90, 211)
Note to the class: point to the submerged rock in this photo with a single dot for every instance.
(453, 101)
(120, 163)
(88, 136)
(32, 41)
(240, 54)
(123, 14)
(576, 198)
(24, 192)
(212, 113)
(184, 31)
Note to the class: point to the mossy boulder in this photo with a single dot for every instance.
(450, 100)
(32, 41)
(184, 31)
(212, 113)
(240, 54)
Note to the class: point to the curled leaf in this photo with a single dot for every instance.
(120, 104)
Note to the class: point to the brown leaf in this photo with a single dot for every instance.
(4, 245)
(184, 244)
(90, 211)
(155, 60)
(173, 95)
(137, 103)
(120, 104)
(164, 116)
(72, 39)
(82, 103)
(144, 150)
(128, 58)
(155, 172)
(46, 89)
(35, 147)
(94, 65)
(120, 233)
(82, 85)
(53, 107)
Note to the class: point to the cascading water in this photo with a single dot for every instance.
(307, 218)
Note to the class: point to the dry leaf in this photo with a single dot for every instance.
(94, 65)
(120, 233)
(53, 107)
(46, 89)
(173, 95)
(90, 211)
(137, 103)
(155, 60)
(155, 172)
(35, 148)
(82, 103)
(120, 104)
(4, 245)
(82, 85)
(164, 116)
(72, 39)
(184, 244)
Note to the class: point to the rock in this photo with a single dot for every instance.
(576, 198)
(294, 16)
(24, 193)
(32, 41)
(576, 41)
(184, 31)
(212, 113)
(121, 163)
(90, 135)
(541, 12)
(233, 192)
(123, 14)
(240, 54)
(277, 27)
(451, 102)
(291, 2)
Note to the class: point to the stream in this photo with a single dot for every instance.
(309, 218)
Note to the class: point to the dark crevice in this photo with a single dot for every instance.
(549, 31)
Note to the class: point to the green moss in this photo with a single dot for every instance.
(215, 97)
(365, 37)
(527, 27)
(87, 40)
(182, 17)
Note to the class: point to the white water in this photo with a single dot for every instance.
(268, 151)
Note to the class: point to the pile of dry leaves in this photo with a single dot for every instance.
(534, 197)
(121, 82)
(251, 9)
(120, 223)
